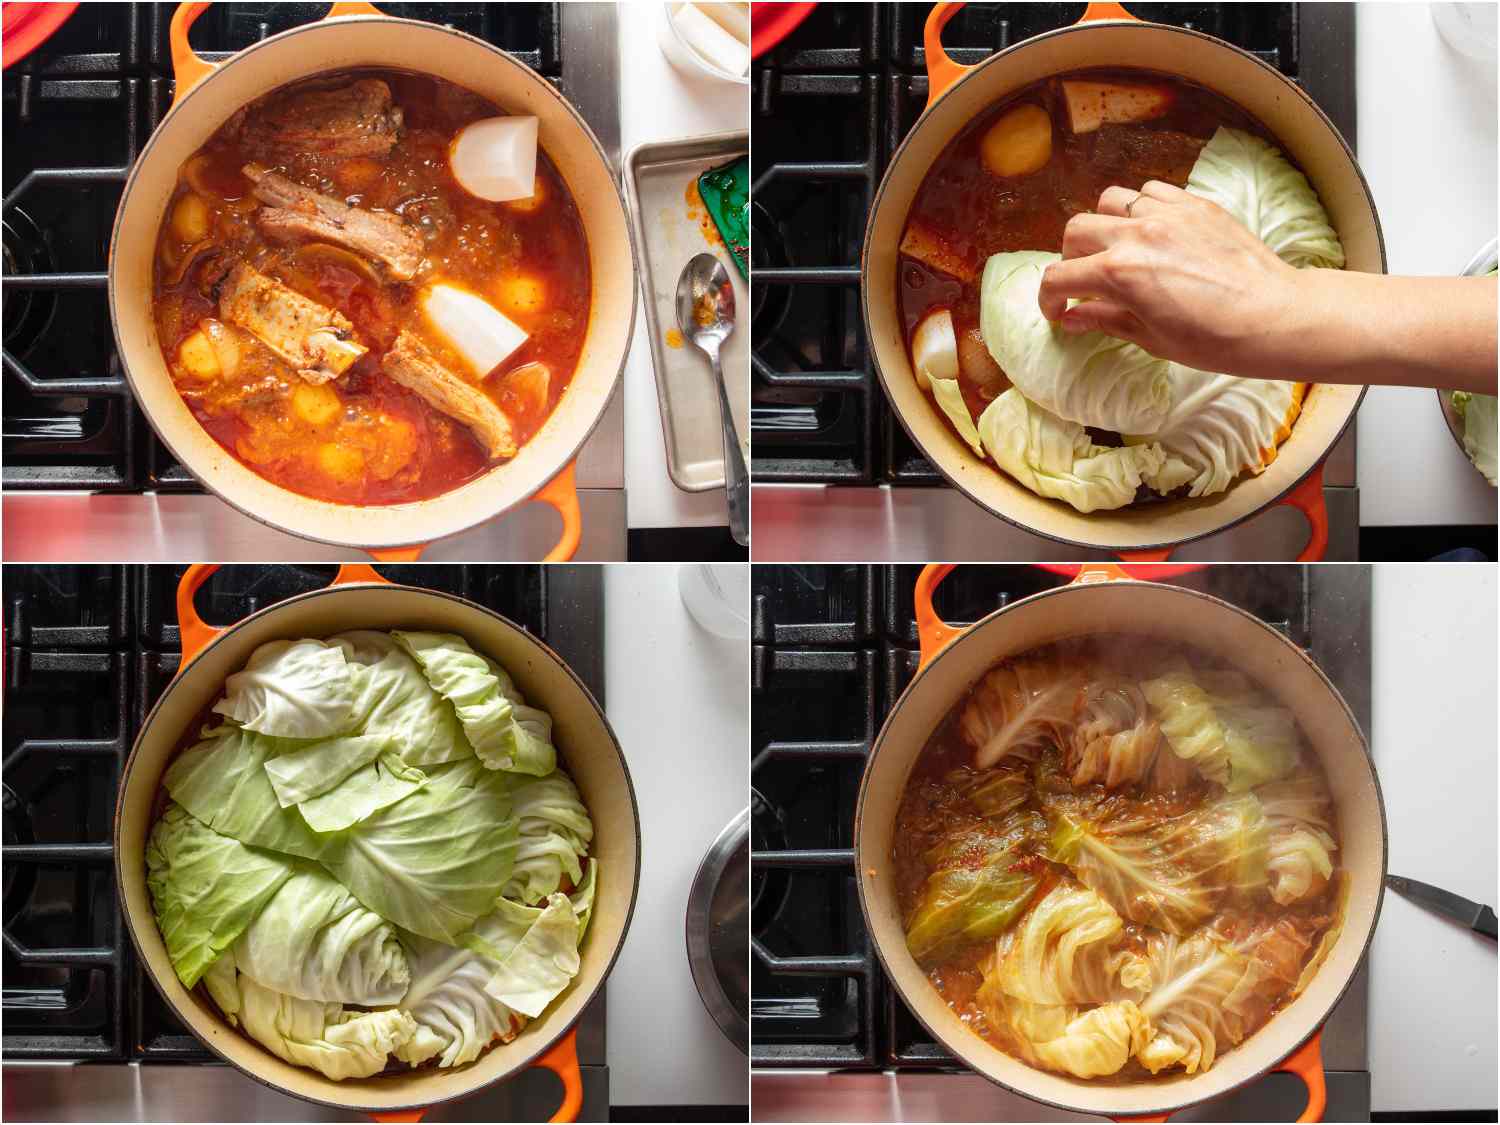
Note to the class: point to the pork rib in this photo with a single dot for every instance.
(317, 341)
(299, 213)
(353, 120)
(410, 363)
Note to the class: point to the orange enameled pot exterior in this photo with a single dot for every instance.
(587, 748)
(1104, 600)
(208, 94)
(1108, 37)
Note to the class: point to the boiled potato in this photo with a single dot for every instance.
(522, 294)
(315, 405)
(190, 218)
(341, 462)
(1018, 144)
(197, 356)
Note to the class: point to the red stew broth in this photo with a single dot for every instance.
(975, 213)
(410, 451)
(921, 821)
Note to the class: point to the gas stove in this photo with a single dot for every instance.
(87, 652)
(833, 648)
(831, 463)
(84, 476)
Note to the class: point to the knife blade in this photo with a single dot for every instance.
(1478, 917)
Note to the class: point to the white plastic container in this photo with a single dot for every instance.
(693, 61)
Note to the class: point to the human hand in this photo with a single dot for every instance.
(1179, 276)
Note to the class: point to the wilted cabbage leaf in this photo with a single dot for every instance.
(981, 879)
(1117, 743)
(1230, 731)
(1480, 437)
(1064, 952)
(1162, 870)
(1058, 459)
(1019, 708)
(338, 1043)
(1299, 813)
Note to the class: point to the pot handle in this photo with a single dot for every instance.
(1307, 498)
(187, 68)
(196, 634)
(943, 72)
(562, 1060)
(561, 492)
(1306, 1062)
(935, 634)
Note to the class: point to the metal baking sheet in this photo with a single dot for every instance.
(657, 175)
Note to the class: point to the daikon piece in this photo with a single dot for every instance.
(1091, 104)
(495, 158)
(522, 294)
(709, 41)
(934, 348)
(733, 18)
(480, 333)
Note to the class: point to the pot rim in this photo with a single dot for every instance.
(885, 180)
(1221, 605)
(614, 384)
(547, 1041)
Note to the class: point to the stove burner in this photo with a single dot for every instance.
(28, 312)
(20, 878)
(769, 301)
(769, 887)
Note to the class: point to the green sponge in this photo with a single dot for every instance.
(726, 194)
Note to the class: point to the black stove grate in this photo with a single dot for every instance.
(88, 650)
(833, 648)
(831, 104)
(76, 113)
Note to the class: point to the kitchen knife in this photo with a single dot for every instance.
(1480, 919)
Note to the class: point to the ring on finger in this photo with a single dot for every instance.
(1129, 206)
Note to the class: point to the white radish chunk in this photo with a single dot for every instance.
(1092, 104)
(733, 18)
(495, 159)
(709, 41)
(473, 327)
(934, 348)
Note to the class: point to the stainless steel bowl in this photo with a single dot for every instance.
(718, 929)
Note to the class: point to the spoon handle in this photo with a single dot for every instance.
(736, 480)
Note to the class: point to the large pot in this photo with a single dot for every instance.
(207, 94)
(1108, 36)
(1105, 600)
(360, 599)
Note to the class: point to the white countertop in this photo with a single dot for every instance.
(1427, 144)
(1432, 983)
(657, 103)
(679, 699)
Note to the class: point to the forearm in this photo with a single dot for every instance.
(1347, 327)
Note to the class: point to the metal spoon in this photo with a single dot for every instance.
(705, 315)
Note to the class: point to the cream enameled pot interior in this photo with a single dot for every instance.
(341, 44)
(587, 750)
(1302, 130)
(1168, 613)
